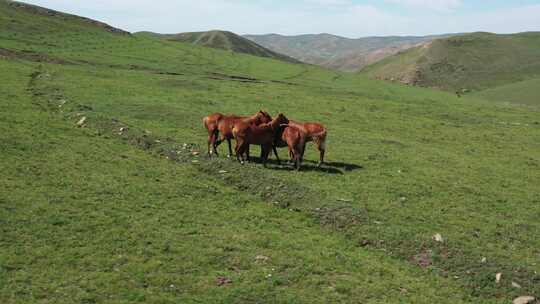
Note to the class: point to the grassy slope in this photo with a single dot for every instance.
(524, 92)
(431, 163)
(86, 218)
(475, 62)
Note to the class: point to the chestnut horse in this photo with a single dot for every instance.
(315, 132)
(295, 139)
(218, 123)
(210, 122)
(264, 135)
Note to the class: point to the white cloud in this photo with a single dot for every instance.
(438, 5)
(329, 2)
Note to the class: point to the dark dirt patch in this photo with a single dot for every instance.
(31, 56)
(284, 82)
(423, 259)
(220, 76)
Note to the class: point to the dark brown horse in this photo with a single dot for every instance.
(263, 135)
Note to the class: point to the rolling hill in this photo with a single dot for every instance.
(106, 195)
(470, 62)
(223, 40)
(337, 52)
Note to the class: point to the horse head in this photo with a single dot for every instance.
(263, 117)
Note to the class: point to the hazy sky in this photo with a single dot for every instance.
(350, 18)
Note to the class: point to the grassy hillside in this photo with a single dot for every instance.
(474, 62)
(122, 206)
(525, 92)
(223, 40)
(337, 52)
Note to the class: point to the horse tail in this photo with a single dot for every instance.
(320, 139)
(234, 131)
(205, 122)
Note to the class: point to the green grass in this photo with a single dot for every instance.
(523, 93)
(89, 215)
(474, 62)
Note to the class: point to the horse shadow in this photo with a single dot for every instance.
(310, 166)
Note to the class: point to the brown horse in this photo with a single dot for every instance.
(264, 135)
(315, 132)
(210, 122)
(295, 139)
(227, 123)
(218, 123)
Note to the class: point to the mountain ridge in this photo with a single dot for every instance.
(225, 40)
(337, 52)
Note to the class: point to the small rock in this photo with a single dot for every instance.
(516, 285)
(262, 258)
(437, 237)
(498, 277)
(402, 199)
(194, 161)
(222, 171)
(195, 153)
(484, 259)
(523, 300)
(81, 122)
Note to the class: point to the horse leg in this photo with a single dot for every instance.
(275, 153)
(321, 146)
(248, 159)
(265, 151)
(210, 144)
(230, 148)
(215, 135)
(239, 149)
(291, 156)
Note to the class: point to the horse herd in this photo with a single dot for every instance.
(260, 129)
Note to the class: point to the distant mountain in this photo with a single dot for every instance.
(473, 62)
(338, 52)
(223, 40)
